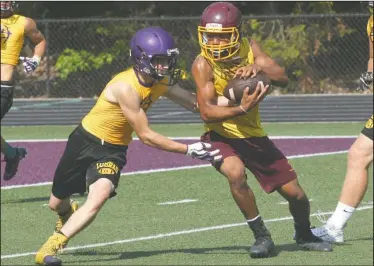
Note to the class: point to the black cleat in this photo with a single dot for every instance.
(262, 248)
(313, 243)
(264, 245)
(11, 166)
(52, 260)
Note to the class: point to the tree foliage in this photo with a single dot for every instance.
(95, 46)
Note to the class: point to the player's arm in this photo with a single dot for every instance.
(370, 62)
(129, 102)
(274, 71)
(36, 37)
(366, 78)
(188, 99)
(183, 97)
(207, 97)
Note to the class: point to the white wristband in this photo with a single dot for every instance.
(241, 107)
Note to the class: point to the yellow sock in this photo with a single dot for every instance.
(62, 239)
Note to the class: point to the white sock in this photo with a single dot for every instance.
(341, 215)
(254, 219)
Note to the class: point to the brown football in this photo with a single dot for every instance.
(235, 87)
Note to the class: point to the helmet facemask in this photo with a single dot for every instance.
(159, 66)
(219, 52)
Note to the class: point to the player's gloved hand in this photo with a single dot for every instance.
(30, 64)
(365, 80)
(199, 150)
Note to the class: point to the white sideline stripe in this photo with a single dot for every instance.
(184, 232)
(161, 170)
(168, 114)
(177, 202)
(47, 204)
(286, 202)
(198, 138)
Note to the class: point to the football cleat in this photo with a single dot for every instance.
(262, 248)
(310, 242)
(11, 166)
(46, 255)
(329, 233)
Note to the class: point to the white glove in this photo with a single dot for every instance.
(365, 80)
(30, 64)
(199, 150)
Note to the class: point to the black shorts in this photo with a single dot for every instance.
(85, 160)
(7, 88)
(368, 129)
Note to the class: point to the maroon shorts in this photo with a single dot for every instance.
(259, 154)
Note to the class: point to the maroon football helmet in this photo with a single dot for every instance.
(221, 18)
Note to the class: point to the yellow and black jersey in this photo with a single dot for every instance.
(12, 38)
(106, 120)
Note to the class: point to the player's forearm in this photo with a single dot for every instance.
(277, 75)
(39, 49)
(189, 101)
(370, 65)
(214, 113)
(158, 141)
(223, 101)
(183, 97)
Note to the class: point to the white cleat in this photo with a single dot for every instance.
(329, 233)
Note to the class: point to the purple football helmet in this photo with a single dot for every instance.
(154, 53)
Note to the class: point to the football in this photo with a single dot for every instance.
(235, 87)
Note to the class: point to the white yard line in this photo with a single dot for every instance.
(159, 236)
(177, 202)
(160, 170)
(286, 202)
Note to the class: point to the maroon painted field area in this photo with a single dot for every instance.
(43, 157)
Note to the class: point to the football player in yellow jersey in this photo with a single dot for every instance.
(237, 130)
(13, 30)
(96, 150)
(360, 156)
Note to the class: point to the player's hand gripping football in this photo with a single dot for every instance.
(251, 100)
(30, 64)
(248, 71)
(365, 80)
(200, 151)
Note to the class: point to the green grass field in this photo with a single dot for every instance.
(188, 130)
(133, 229)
